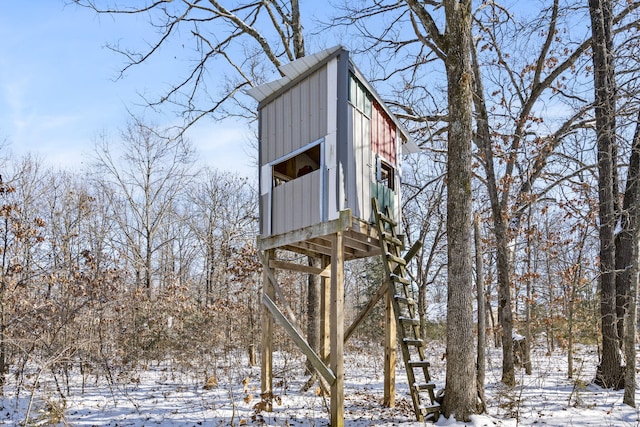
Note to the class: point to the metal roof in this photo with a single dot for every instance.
(295, 69)
(290, 71)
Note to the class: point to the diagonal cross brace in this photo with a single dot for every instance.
(317, 363)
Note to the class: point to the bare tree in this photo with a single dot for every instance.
(511, 87)
(245, 44)
(512, 187)
(222, 217)
(632, 309)
(145, 172)
(481, 311)
(601, 12)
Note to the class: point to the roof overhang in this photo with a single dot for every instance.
(291, 72)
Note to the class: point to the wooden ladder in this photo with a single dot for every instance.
(407, 321)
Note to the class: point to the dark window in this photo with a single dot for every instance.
(386, 174)
(297, 166)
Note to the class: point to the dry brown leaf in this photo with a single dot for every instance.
(211, 383)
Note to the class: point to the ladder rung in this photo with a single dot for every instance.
(430, 409)
(391, 238)
(396, 259)
(400, 279)
(413, 341)
(387, 219)
(409, 321)
(404, 300)
(424, 386)
(419, 364)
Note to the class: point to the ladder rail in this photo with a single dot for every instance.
(404, 307)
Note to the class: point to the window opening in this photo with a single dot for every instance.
(297, 166)
(386, 174)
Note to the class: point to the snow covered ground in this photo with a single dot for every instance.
(168, 395)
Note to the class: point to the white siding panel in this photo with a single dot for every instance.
(287, 125)
(273, 133)
(327, 95)
(279, 142)
(295, 118)
(298, 139)
(266, 214)
(316, 99)
(368, 172)
(359, 181)
(307, 113)
(296, 203)
(264, 130)
(299, 202)
(330, 127)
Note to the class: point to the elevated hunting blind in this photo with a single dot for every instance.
(327, 143)
(330, 156)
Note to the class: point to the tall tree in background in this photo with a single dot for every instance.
(515, 158)
(632, 293)
(610, 373)
(454, 48)
(222, 207)
(148, 172)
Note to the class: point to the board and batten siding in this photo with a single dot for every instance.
(297, 203)
(360, 164)
(295, 118)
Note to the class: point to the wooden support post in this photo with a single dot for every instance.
(325, 315)
(390, 347)
(266, 377)
(337, 330)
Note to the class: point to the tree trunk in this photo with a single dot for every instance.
(632, 315)
(624, 239)
(494, 329)
(571, 305)
(460, 396)
(610, 373)
(570, 309)
(505, 318)
(631, 207)
(526, 356)
(298, 38)
(482, 341)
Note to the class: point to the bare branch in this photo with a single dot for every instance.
(429, 24)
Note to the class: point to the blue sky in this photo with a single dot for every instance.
(59, 88)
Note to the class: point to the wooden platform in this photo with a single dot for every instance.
(360, 238)
(334, 242)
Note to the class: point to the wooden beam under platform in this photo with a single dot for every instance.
(343, 222)
(301, 268)
(360, 238)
